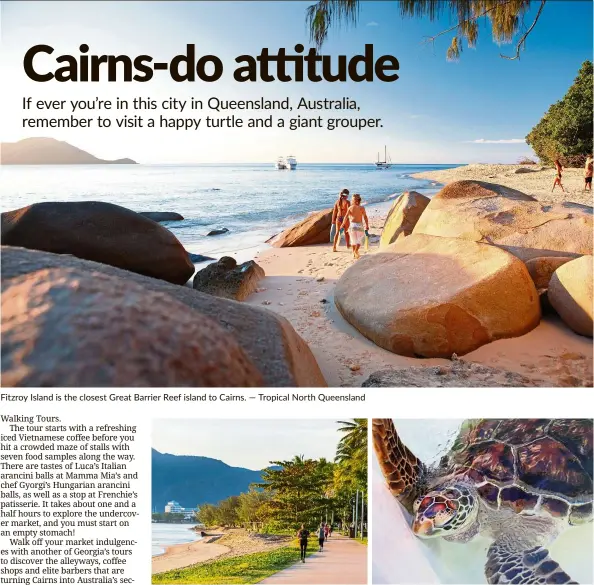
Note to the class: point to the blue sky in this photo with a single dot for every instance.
(432, 114)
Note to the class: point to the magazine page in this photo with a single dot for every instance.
(235, 234)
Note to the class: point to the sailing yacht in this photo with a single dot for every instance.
(386, 163)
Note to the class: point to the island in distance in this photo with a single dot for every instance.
(49, 151)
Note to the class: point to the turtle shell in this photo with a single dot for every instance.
(525, 464)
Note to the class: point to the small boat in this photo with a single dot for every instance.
(288, 163)
(386, 163)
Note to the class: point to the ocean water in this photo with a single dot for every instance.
(437, 560)
(253, 201)
(164, 535)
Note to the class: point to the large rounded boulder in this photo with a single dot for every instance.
(510, 219)
(403, 216)
(314, 229)
(427, 296)
(101, 232)
(66, 327)
(94, 316)
(570, 294)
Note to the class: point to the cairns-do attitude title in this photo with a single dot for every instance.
(41, 65)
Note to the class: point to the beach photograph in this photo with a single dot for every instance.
(259, 501)
(430, 228)
(482, 501)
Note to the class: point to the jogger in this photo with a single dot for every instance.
(303, 535)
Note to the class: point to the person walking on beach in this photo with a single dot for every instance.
(321, 536)
(338, 214)
(303, 535)
(558, 177)
(356, 215)
(588, 171)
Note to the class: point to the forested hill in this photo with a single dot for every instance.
(192, 480)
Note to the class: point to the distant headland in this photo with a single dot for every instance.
(49, 151)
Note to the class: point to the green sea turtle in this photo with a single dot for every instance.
(519, 482)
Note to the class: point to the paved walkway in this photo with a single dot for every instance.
(343, 562)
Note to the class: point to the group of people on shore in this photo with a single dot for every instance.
(350, 218)
(324, 532)
(588, 172)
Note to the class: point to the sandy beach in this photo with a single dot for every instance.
(534, 180)
(300, 282)
(220, 543)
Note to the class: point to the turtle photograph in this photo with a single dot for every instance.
(482, 501)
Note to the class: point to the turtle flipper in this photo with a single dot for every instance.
(509, 564)
(404, 473)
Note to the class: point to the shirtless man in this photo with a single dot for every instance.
(338, 214)
(588, 172)
(356, 215)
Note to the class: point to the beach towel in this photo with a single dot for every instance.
(332, 233)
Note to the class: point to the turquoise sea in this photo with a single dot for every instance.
(253, 201)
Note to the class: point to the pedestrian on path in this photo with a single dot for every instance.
(321, 536)
(303, 535)
(326, 532)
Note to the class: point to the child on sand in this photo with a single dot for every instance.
(338, 214)
(356, 215)
(557, 181)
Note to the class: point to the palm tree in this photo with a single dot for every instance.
(351, 454)
(354, 442)
(506, 19)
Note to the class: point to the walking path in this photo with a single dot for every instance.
(344, 561)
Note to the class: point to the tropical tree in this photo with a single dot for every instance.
(506, 19)
(299, 490)
(351, 454)
(565, 131)
(207, 515)
(252, 506)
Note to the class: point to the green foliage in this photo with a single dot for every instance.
(245, 569)
(299, 491)
(252, 506)
(506, 19)
(565, 131)
(225, 513)
(207, 515)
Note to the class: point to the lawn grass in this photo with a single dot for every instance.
(245, 569)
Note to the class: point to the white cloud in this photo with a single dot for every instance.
(372, 23)
(504, 141)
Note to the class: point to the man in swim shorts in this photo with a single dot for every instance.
(338, 214)
(588, 171)
(356, 216)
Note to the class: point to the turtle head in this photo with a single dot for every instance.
(444, 511)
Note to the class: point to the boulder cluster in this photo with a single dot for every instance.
(476, 263)
(93, 294)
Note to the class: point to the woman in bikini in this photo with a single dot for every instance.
(558, 177)
(356, 215)
(338, 214)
